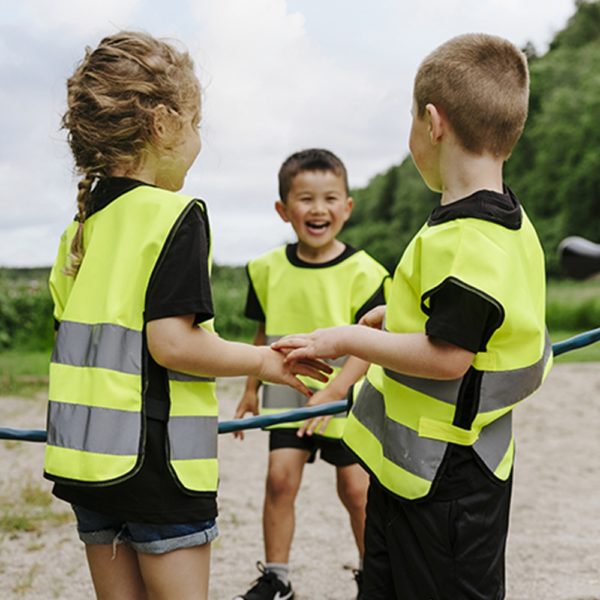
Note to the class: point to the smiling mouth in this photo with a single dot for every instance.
(317, 227)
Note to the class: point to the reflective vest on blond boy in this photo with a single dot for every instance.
(400, 426)
(97, 396)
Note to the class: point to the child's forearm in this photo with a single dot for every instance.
(260, 339)
(411, 353)
(176, 344)
(354, 368)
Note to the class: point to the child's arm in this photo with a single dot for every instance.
(176, 343)
(249, 401)
(354, 368)
(410, 353)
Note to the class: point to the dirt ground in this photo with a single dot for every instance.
(554, 544)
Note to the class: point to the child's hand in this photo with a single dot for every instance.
(248, 404)
(322, 343)
(276, 369)
(318, 424)
(374, 318)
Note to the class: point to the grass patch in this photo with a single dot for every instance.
(23, 373)
(30, 511)
(25, 583)
(589, 353)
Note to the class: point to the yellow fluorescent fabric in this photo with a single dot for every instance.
(417, 414)
(101, 312)
(300, 299)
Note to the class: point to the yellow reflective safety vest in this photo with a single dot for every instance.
(400, 425)
(97, 393)
(298, 297)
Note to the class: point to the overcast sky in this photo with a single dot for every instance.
(277, 76)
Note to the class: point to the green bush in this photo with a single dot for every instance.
(230, 286)
(25, 312)
(26, 321)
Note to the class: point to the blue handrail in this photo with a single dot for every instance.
(331, 408)
(575, 342)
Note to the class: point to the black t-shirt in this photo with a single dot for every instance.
(180, 285)
(467, 318)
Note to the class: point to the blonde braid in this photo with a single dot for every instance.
(112, 99)
(84, 188)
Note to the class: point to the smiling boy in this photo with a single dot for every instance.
(316, 282)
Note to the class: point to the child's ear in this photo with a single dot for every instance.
(161, 121)
(436, 123)
(349, 206)
(281, 209)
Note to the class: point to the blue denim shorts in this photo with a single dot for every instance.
(149, 538)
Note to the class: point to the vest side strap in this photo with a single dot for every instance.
(446, 432)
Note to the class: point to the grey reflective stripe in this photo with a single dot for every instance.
(446, 391)
(282, 396)
(494, 440)
(102, 345)
(401, 445)
(93, 429)
(500, 389)
(193, 437)
(334, 362)
(177, 376)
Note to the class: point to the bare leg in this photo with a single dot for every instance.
(117, 578)
(352, 486)
(182, 574)
(279, 520)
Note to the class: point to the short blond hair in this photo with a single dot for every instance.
(480, 83)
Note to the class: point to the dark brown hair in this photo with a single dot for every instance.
(312, 159)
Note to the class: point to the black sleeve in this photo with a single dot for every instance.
(376, 299)
(180, 284)
(253, 308)
(463, 316)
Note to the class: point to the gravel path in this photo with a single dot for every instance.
(554, 543)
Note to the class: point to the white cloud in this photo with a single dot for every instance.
(79, 18)
(279, 75)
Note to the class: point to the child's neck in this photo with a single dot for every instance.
(465, 173)
(310, 254)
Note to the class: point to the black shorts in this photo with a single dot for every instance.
(436, 550)
(332, 451)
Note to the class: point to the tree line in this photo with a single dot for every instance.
(554, 169)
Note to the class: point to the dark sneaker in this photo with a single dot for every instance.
(358, 577)
(267, 587)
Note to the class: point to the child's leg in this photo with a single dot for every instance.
(115, 574)
(283, 481)
(378, 583)
(181, 574)
(352, 485)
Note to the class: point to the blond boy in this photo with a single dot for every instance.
(462, 343)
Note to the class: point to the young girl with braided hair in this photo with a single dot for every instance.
(132, 415)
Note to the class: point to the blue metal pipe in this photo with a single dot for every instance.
(331, 408)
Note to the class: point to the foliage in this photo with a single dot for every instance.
(554, 169)
(25, 309)
(230, 286)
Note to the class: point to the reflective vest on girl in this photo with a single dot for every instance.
(300, 299)
(400, 426)
(98, 372)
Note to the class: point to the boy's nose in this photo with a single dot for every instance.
(319, 206)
